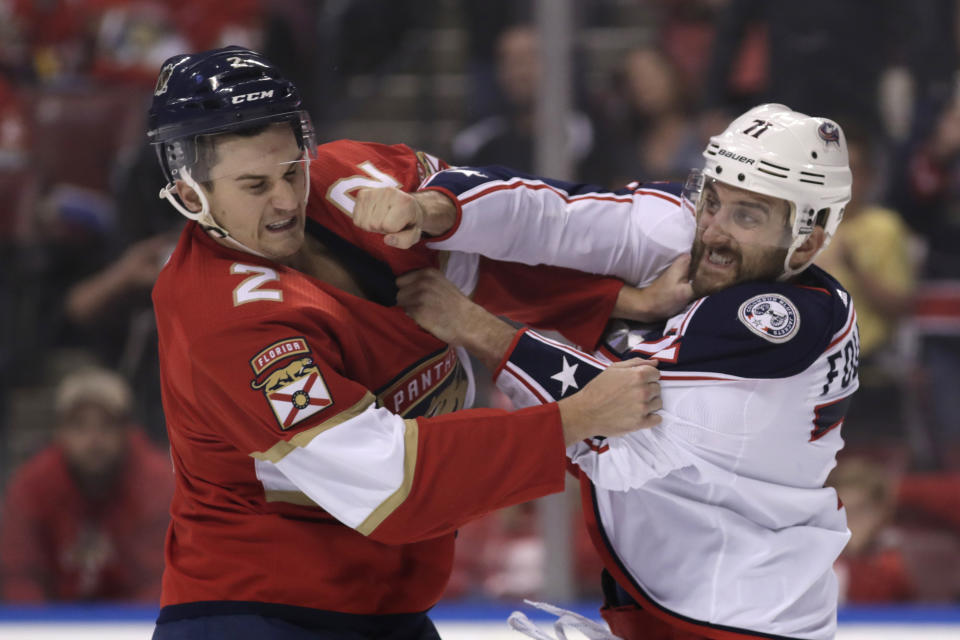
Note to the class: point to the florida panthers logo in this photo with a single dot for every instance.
(770, 316)
(829, 133)
(163, 81)
(295, 388)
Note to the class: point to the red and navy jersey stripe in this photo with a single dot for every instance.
(460, 180)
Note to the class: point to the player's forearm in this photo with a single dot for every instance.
(888, 300)
(481, 469)
(88, 298)
(439, 212)
(629, 234)
(634, 304)
(487, 338)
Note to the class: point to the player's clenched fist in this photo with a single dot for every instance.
(393, 212)
(623, 398)
(401, 216)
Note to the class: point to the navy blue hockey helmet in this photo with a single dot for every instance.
(218, 91)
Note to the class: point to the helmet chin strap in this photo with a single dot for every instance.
(203, 217)
(787, 271)
(796, 243)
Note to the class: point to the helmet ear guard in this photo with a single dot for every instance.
(784, 154)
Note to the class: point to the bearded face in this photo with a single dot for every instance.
(741, 236)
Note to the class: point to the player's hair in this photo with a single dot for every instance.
(207, 157)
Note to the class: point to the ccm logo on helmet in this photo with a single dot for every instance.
(735, 156)
(252, 97)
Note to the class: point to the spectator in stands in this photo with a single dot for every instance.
(503, 555)
(929, 190)
(905, 534)
(872, 255)
(483, 22)
(134, 273)
(813, 62)
(508, 137)
(117, 41)
(110, 312)
(85, 518)
(648, 121)
(928, 509)
(872, 567)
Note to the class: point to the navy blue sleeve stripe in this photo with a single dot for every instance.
(558, 369)
(828, 416)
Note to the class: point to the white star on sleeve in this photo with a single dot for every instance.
(467, 172)
(566, 376)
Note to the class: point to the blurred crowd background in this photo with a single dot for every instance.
(83, 463)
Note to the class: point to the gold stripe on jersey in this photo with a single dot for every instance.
(279, 451)
(411, 438)
(292, 497)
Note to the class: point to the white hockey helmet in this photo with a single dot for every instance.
(778, 152)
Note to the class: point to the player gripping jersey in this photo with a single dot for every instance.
(322, 459)
(715, 524)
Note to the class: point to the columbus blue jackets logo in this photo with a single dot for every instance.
(829, 132)
(290, 380)
(770, 316)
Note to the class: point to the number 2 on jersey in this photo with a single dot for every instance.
(250, 289)
(339, 191)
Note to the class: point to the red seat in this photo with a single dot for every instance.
(78, 134)
(937, 308)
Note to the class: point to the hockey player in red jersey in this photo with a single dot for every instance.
(322, 457)
(716, 524)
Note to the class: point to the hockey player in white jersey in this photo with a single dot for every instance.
(715, 524)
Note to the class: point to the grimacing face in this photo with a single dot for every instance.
(256, 191)
(741, 236)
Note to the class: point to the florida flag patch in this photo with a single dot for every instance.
(290, 380)
(770, 316)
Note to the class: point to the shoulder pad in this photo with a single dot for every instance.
(760, 330)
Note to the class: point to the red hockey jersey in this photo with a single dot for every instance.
(313, 465)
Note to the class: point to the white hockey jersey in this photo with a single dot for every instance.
(716, 520)
(630, 233)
